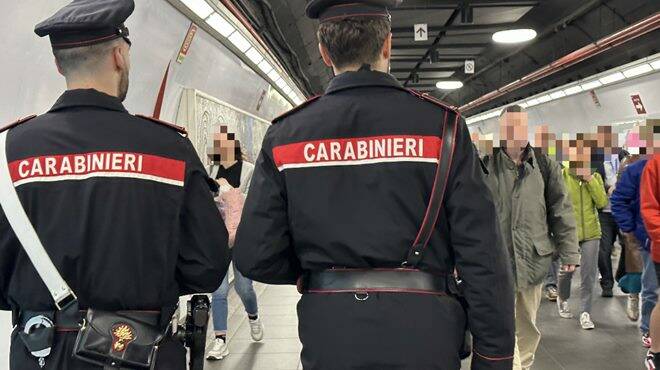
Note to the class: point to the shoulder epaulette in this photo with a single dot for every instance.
(16, 123)
(179, 129)
(294, 110)
(431, 99)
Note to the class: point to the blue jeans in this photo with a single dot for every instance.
(245, 291)
(649, 286)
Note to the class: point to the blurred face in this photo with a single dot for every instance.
(225, 147)
(579, 155)
(513, 129)
(606, 139)
(650, 135)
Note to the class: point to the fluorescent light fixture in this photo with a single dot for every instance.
(292, 95)
(573, 90)
(449, 85)
(523, 105)
(273, 75)
(557, 94)
(656, 64)
(638, 70)
(544, 99)
(220, 24)
(199, 7)
(614, 77)
(591, 85)
(281, 83)
(532, 102)
(265, 67)
(298, 100)
(239, 41)
(254, 55)
(514, 36)
(287, 89)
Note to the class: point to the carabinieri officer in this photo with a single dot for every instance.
(338, 196)
(121, 203)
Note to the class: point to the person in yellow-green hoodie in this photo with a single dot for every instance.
(587, 193)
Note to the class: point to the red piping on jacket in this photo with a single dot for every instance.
(631, 32)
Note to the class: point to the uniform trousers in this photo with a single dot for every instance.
(384, 331)
(171, 355)
(528, 336)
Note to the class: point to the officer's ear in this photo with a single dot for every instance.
(386, 52)
(120, 57)
(325, 55)
(59, 68)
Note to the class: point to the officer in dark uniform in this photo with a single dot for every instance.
(342, 183)
(121, 203)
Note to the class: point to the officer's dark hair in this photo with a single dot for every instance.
(354, 41)
(84, 59)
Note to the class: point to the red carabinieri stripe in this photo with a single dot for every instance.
(357, 151)
(97, 164)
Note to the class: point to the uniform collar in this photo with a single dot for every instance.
(362, 78)
(88, 98)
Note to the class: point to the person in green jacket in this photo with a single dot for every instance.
(587, 193)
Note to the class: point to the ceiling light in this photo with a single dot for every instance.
(656, 64)
(614, 77)
(298, 100)
(449, 85)
(573, 90)
(220, 24)
(514, 36)
(523, 105)
(280, 83)
(273, 75)
(254, 55)
(544, 99)
(532, 102)
(239, 41)
(199, 7)
(591, 85)
(265, 67)
(287, 89)
(292, 95)
(638, 70)
(557, 94)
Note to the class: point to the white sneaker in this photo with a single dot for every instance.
(632, 307)
(219, 350)
(564, 310)
(256, 330)
(585, 321)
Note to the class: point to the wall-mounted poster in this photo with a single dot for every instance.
(200, 114)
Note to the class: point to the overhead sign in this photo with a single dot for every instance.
(192, 30)
(637, 102)
(469, 67)
(421, 32)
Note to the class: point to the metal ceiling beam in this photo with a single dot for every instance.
(425, 70)
(441, 60)
(467, 27)
(449, 5)
(435, 46)
(448, 23)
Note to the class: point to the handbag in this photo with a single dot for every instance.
(127, 339)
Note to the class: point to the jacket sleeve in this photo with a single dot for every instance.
(481, 259)
(650, 200)
(263, 250)
(622, 202)
(597, 191)
(8, 252)
(560, 216)
(203, 252)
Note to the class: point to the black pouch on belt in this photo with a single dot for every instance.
(120, 339)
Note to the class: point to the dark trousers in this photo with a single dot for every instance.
(384, 331)
(171, 355)
(609, 231)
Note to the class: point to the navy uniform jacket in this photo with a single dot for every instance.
(344, 181)
(120, 203)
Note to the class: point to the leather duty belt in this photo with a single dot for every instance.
(399, 280)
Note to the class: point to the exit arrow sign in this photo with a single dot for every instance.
(421, 32)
